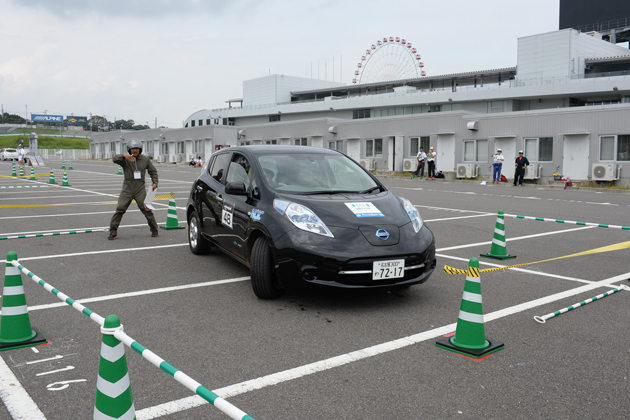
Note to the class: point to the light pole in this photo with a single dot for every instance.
(26, 115)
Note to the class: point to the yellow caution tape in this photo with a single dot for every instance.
(30, 176)
(614, 247)
(20, 206)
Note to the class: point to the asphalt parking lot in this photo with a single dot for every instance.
(318, 353)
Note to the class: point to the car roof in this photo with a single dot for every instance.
(285, 150)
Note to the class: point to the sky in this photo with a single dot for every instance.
(166, 59)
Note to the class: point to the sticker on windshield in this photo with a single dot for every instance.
(364, 210)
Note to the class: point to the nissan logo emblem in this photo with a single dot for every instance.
(382, 234)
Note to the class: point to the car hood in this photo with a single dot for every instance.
(354, 210)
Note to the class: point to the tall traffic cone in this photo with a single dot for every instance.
(469, 339)
(21, 170)
(63, 164)
(13, 173)
(51, 180)
(171, 217)
(15, 325)
(70, 168)
(65, 180)
(113, 388)
(498, 251)
(120, 170)
(32, 178)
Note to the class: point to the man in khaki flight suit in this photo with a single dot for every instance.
(135, 165)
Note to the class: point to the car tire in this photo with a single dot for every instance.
(262, 271)
(197, 243)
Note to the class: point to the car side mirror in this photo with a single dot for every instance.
(236, 188)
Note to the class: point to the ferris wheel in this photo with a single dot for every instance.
(389, 59)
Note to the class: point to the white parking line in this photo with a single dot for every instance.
(15, 398)
(333, 362)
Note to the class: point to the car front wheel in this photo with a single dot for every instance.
(263, 272)
(198, 244)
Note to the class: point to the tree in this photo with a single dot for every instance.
(12, 119)
(99, 123)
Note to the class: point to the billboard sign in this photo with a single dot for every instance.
(47, 118)
(77, 121)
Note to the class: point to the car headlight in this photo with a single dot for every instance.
(413, 214)
(302, 217)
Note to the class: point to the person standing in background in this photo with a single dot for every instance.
(497, 164)
(431, 160)
(422, 157)
(521, 163)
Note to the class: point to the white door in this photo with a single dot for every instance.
(354, 149)
(575, 153)
(445, 153)
(509, 152)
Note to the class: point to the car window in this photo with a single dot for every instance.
(219, 167)
(239, 170)
(303, 172)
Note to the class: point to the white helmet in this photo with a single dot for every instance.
(134, 144)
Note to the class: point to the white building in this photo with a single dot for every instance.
(566, 104)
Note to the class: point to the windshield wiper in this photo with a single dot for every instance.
(369, 190)
(328, 192)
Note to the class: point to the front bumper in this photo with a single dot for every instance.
(346, 260)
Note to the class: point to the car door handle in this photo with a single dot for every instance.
(219, 198)
(199, 188)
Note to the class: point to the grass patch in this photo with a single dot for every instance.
(46, 142)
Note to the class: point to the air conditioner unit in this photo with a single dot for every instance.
(410, 164)
(99, 156)
(173, 159)
(108, 155)
(367, 164)
(603, 172)
(531, 172)
(464, 170)
(180, 158)
(161, 158)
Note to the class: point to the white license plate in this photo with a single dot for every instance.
(383, 270)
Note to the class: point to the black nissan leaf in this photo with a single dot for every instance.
(307, 214)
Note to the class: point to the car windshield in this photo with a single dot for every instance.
(305, 173)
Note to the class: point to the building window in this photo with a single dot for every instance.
(273, 118)
(614, 146)
(374, 148)
(416, 142)
(200, 123)
(198, 146)
(164, 149)
(271, 142)
(539, 149)
(180, 147)
(112, 147)
(208, 121)
(244, 143)
(227, 121)
(475, 150)
(149, 147)
(336, 145)
(192, 123)
(360, 113)
(496, 106)
(300, 142)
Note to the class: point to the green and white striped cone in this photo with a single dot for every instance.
(469, 338)
(113, 388)
(51, 180)
(63, 164)
(15, 325)
(171, 217)
(21, 170)
(70, 168)
(120, 170)
(498, 251)
(65, 180)
(13, 173)
(32, 178)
